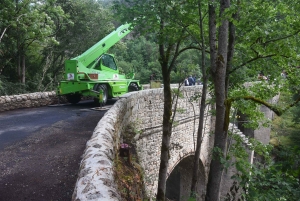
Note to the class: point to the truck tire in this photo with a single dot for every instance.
(73, 98)
(105, 93)
(133, 87)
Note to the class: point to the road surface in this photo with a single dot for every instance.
(41, 148)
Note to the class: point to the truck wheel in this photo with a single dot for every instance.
(105, 93)
(73, 98)
(133, 87)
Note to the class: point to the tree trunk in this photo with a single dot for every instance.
(19, 67)
(167, 128)
(18, 56)
(23, 68)
(199, 139)
(202, 110)
(220, 142)
(2, 34)
(231, 43)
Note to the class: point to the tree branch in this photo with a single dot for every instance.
(264, 44)
(3, 33)
(251, 60)
(278, 111)
(284, 37)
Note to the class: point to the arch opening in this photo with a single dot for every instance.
(178, 184)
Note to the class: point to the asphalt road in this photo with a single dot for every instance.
(41, 148)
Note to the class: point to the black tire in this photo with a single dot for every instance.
(73, 98)
(97, 87)
(133, 87)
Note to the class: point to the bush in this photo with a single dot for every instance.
(10, 88)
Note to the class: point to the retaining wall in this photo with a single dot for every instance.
(27, 100)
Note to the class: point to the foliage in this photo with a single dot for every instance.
(141, 56)
(267, 42)
(273, 176)
(276, 180)
(257, 44)
(264, 91)
(138, 55)
(10, 88)
(49, 32)
(285, 138)
(296, 110)
(46, 33)
(27, 31)
(285, 128)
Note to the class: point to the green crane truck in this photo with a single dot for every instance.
(95, 73)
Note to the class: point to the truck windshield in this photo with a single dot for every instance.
(108, 61)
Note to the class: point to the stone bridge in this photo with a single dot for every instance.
(143, 110)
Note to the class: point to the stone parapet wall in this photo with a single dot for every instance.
(96, 178)
(27, 100)
(143, 110)
(147, 86)
(38, 99)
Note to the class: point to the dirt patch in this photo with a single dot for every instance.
(44, 166)
(128, 173)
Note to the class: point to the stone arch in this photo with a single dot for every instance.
(178, 159)
(179, 180)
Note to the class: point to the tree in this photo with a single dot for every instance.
(160, 19)
(46, 33)
(30, 30)
(86, 22)
(6, 10)
(218, 70)
(27, 31)
(138, 54)
(222, 61)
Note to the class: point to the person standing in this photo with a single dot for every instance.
(186, 81)
(195, 79)
(191, 80)
(152, 77)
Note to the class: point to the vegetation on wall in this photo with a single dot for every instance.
(127, 171)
